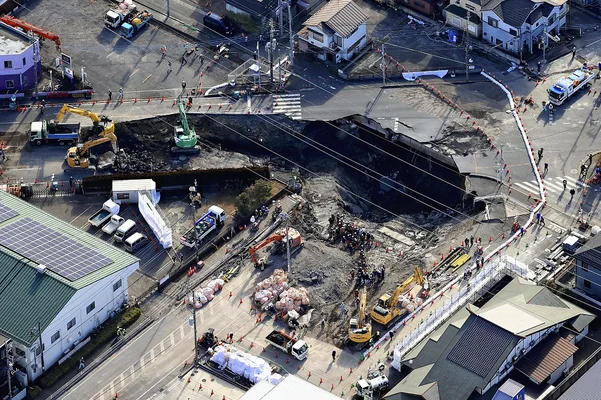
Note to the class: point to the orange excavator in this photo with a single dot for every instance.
(293, 238)
(27, 27)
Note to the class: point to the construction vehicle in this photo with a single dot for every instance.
(27, 27)
(79, 156)
(208, 339)
(50, 132)
(129, 29)
(19, 189)
(375, 382)
(289, 345)
(206, 224)
(359, 330)
(184, 134)
(102, 125)
(386, 310)
(293, 238)
(120, 14)
(108, 210)
(567, 86)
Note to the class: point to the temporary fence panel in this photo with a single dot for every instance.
(155, 221)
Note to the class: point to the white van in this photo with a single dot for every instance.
(125, 230)
(135, 242)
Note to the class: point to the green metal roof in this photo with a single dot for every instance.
(28, 298)
(121, 259)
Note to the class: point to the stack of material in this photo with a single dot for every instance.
(271, 287)
(292, 300)
(206, 294)
(253, 368)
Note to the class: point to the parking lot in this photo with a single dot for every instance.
(111, 61)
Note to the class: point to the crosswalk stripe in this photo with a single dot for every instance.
(277, 96)
(528, 186)
(553, 186)
(577, 182)
(287, 104)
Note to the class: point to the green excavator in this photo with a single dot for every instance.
(184, 134)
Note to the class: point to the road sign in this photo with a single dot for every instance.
(66, 60)
(69, 72)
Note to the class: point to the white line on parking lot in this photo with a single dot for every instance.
(84, 211)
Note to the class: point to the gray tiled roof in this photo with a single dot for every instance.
(591, 253)
(512, 12)
(462, 13)
(341, 16)
(539, 12)
(588, 384)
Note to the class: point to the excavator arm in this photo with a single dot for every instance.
(108, 127)
(274, 237)
(95, 142)
(362, 306)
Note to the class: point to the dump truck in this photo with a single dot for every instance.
(129, 29)
(41, 132)
(289, 345)
(109, 208)
(567, 86)
(213, 219)
(114, 224)
(120, 14)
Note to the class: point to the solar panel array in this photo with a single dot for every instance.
(6, 213)
(480, 347)
(56, 251)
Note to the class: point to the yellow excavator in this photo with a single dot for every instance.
(102, 124)
(79, 156)
(386, 311)
(359, 330)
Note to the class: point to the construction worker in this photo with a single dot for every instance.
(572, 192)
(110, 94)
(565, 184)
(120, 93)
(546, 168)
(333, 355)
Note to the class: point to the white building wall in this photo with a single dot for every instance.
(20, 61)
(106, 302)
(324, 42)
(347, 43)
(559, 372)
(501, 32)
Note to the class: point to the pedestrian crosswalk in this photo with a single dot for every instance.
(553, 185)
(288, 104)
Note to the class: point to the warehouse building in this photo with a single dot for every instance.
(57, 284)
(17, 53)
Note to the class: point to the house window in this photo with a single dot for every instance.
(90, 307)
(493, 22)
(317, 36)
(116, 285)
(38, 350)
(471, 28)
(584, 267)
(71, 323)
(24, 62)
(8, 64)
(513, 32)
(338, 40)
(10, 84)
(587, 284)
(455, 21)
(20, 352)
(419, 4)
(55, 337)
(551, 19)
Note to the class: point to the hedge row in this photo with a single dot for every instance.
(100, 338)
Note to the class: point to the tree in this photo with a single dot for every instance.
(252, 198)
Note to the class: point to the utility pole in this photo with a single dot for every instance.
(194, 327)
(284, 216)
(270, 47)
(280, 15)
(383, 66)
(259, 64)
(545, 43)
(291, 55)
(194, 191)
(467, 47)
(501, 164)
(168, 8)
(36, 56)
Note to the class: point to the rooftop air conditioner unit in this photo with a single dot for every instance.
(41, 268)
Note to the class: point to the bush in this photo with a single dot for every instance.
(33, 392)
(252, 198)
(100, 338)
(243, 22)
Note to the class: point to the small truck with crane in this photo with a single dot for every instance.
(568, 85)
(125, 11)
(109, 208)
(209, 222)
(50, 132)
(294, 347)
(375, 382)
(129, 29)
(281, 237)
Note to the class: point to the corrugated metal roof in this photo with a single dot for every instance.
(341, 16)
(28, 298)
(511, 387)
(133, 184)
(587, 387)
(120, 259)
(545, 358)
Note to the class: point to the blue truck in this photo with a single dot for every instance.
(213, 219)
(129, 29)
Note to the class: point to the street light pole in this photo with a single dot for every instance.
(194, 327)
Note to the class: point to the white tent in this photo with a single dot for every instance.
(154, 220)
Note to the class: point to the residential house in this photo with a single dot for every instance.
(17, 60)
(588, 267)
(430, 8)
(519, 328)
(456, 14)
(336, 32)
(586, 386)
(522, 26)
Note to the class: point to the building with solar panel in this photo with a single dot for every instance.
(524, 332)
(57, 284)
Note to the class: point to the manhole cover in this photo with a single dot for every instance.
(573, 171)
(204, 380)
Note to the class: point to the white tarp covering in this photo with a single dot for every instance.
(411, 76)
(253, 368)
(154, 220)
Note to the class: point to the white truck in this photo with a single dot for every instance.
(115, 222)
(568, 85)
(366, 388)
(109, 208)
(49, 132)
(122, 13)
(289, 345)
(206, 224)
